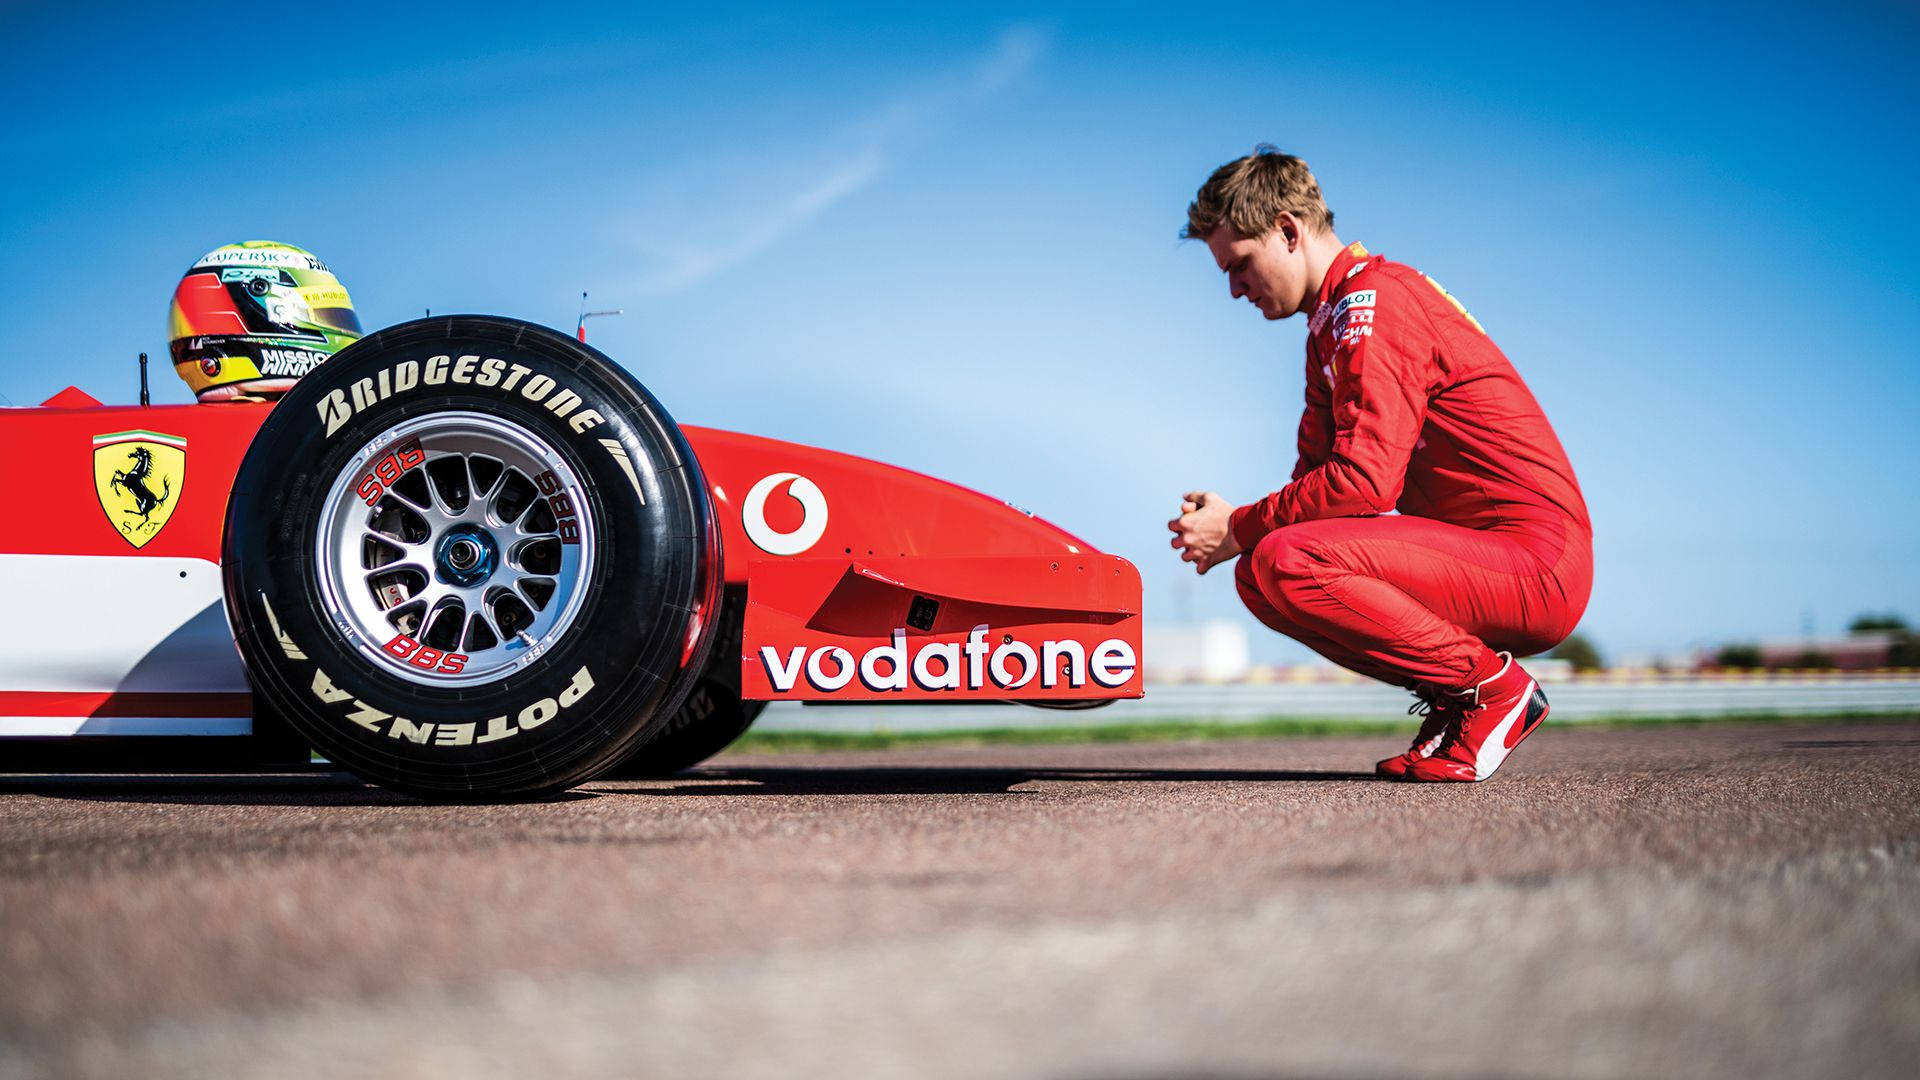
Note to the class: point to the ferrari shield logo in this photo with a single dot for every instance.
(138, 476)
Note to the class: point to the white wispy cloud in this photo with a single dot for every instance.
(870, 144)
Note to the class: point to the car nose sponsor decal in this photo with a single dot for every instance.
(813, 520)
(950, 665)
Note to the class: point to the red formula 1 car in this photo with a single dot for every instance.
(471, 558)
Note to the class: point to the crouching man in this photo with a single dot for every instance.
(1409, 407)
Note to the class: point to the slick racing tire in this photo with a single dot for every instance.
(713, 714)
(469, 558)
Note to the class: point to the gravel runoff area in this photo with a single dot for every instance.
(1732, 900)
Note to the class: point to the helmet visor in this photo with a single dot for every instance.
(340, 320)
(290, 303)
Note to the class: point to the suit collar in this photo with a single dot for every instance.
(1343, 267)
(1345, 264)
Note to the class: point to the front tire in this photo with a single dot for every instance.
(470, 558)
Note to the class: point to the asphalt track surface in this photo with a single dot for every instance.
(1734, 900)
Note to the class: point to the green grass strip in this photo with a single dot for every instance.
(1277, 727)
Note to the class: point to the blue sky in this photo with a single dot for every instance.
(948, 240)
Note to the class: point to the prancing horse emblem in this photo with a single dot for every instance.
(134, 480)
(138, 476)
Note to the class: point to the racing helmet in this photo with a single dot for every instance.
(249, 319)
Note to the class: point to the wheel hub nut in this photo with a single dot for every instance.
(465, 556)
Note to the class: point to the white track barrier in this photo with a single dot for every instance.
(1581, 699)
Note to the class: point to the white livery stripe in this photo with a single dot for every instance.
(116, 624)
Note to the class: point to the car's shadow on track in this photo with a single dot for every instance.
(343, 789)
(250, 789)
(936, 780)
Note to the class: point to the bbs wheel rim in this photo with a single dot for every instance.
(454, 549)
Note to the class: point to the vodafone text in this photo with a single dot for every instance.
(940, 665)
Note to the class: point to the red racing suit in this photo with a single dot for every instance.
(1411, 407)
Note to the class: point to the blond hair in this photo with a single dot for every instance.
(1251, 193)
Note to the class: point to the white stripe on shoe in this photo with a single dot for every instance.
(1493, 749)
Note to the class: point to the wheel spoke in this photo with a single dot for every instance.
(462, 552)
(536, 591)
(447, 479)
(413, 490)
(409, 552)
(487, 475)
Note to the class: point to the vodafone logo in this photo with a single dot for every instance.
(950, 665)
(813, 519)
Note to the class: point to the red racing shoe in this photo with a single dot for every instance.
(1491, 720)
(1436, 710)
